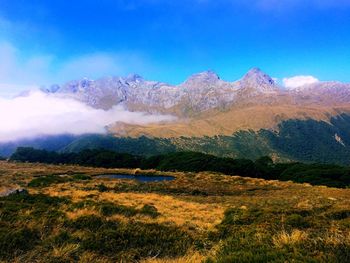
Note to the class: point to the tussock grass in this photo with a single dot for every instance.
(198, 217)
(289, 239)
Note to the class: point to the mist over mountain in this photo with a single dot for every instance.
(36, 114)
(247, 117)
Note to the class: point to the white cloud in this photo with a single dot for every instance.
(101, 64)
(298, 81)
(17, 73)
(41, 114)
(7, 90)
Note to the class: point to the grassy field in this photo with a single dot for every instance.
(69, 215)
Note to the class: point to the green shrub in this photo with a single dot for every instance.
(62, 238)
(14, 242)
(238, 216)
(41, 208)
(134, 241)
(102, 188)
(45, 181)
(150, 210)
(339, 215)
(318, 174)
(90, 222)
(34, 199)
(82, 204)
(109, 209)
(82, 177)
(297, 221)
(263, 167)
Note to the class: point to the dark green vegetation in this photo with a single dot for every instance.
(109, 209)
(198, 217)
(44, 181)
(94, 158)
(275, 235)
(50, 229)
(50, 143)
(316, 174)
(137, 146)
(296, 140)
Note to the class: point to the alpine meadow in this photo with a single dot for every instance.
(189, 131)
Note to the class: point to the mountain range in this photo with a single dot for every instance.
(247, 118)
(200, 92)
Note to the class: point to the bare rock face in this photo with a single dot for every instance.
(259, 81)
(324, 93)
(199, 93)
(202, 80)
(103, 93)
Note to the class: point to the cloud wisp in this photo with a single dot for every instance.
(40, 114)
(19, 72)
(289, 5)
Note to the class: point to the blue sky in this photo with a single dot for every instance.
(43, 42)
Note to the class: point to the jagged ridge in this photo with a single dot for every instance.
(199, 93)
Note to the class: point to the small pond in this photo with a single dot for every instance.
(140, 178)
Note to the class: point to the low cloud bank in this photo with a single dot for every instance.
(41, 114)
(298, 81)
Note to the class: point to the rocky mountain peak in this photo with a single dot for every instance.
(198, 93)
(258, 76)
(205, 76)
(134, 78)
(257, 79)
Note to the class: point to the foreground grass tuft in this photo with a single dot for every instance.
(69, 215)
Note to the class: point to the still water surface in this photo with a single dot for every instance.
(140, 178)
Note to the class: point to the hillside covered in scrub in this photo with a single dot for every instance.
(293, 140)
(248, 118)
(68, 214)
(263, 167)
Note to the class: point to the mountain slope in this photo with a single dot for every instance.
(249, 118)
(207, 105)
(297, 140)
(51, 143)
(230, 121)
(199, 93)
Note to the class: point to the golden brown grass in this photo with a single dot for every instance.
(172, 210)
(63, 252)
(294, 237)
(195, 214)
(193, 257)
(81, 212)
(227, 122)
(89, 257)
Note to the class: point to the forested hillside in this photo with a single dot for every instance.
(264, 167)
(293, 140)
